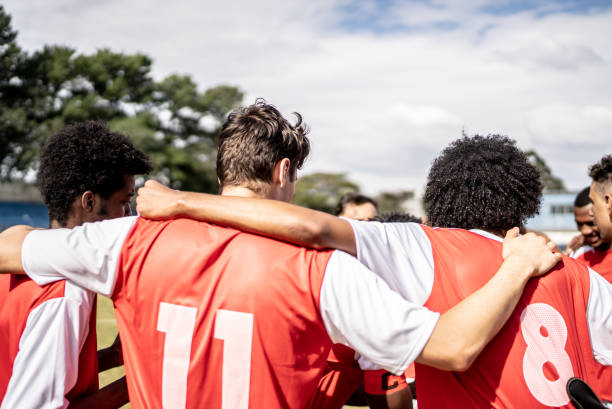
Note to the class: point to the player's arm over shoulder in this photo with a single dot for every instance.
(271, 218)
(11, 241)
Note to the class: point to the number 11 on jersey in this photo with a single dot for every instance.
(235, 329)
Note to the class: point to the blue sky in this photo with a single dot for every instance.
(383, 85)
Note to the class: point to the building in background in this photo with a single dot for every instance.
(556, 217)
(21, 204)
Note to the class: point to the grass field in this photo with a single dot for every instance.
(107, 331)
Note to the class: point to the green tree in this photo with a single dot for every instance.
(171, 119)
(322, 191)
(393, 201)
(550, 182)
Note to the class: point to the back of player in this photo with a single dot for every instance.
(246, 306)
(544, 343)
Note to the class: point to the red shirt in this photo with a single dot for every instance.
(217, 330)
(544, 343)
(19, 297)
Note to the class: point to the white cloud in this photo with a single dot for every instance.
(380, 105)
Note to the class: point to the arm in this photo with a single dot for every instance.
(10, 249)
(112, 396)
(86, 255)
(110, 357)
(355, 302)
(271, 218)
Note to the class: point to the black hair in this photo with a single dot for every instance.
(482, 182)
(353, 198)
(582, 198)
(396, 217)
(602, 171)
(82, 157)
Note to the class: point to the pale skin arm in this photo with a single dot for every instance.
(271, 218)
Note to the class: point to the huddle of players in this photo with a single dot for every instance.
(212, 317)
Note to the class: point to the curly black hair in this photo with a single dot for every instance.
(82, 157)
(602, 171)
(482, 182)
(396, 217)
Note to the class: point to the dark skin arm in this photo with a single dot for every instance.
(112, 396)
(395, 400)
(110, 357)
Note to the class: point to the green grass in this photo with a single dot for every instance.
(106, 329)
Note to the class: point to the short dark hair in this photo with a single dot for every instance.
(396, 217)
(253, 139)
(85, 156)
(353, 198)
(582, 198)
(483, 182)
(602, 171)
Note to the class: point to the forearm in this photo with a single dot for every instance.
(110, 357)
(10, 249)
(271, 218)
(464, 330)
(112, 396)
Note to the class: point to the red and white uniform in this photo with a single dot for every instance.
(47, 343)
(600, 261)
(216, 318)
(562, 320)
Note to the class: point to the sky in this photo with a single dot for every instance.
(384, 85)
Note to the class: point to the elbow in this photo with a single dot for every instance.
(462, 360)
(313, 234)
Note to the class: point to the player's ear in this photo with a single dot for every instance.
(282, 172)
(88, 201)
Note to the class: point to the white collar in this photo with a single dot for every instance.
(487, 234)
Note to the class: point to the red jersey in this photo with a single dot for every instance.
(24, 324)
(601, 262)
(204, 332)
(544, 343)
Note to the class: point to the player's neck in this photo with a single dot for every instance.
(240, 191)
(603, 247)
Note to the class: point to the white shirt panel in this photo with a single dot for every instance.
(599, 317)
(361, 311)
(47, 364)
(582, 250)
(86, 255)
(400, 253)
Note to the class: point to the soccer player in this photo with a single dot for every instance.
(212, 317)
(601, 195)
(595, 253)
(485, 183)
(47, 334)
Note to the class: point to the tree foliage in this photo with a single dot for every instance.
(322, 191)
(550, 182)
(171, 119)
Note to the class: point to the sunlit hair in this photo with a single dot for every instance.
(253, 140)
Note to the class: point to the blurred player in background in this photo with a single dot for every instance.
(48, 333)
(356, 206)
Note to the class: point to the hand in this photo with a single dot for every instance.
(156, 201)
(533, 253)
(574, 244)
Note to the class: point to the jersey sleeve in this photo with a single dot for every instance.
(46, 366)
(599, 316)
(86, 255)
(400, 253)
(360, 311)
